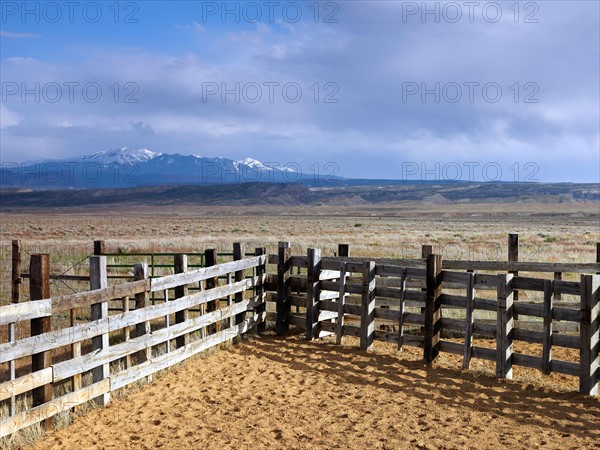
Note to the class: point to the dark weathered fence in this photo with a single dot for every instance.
(345, 296)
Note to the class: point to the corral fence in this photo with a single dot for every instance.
(63, 351)
(345, 296)
(76, 351)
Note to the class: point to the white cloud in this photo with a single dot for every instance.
(13, 35)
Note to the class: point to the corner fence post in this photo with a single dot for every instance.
(282, 323)
(433, 309)
(367, 306)
(180, 263)
(504, 326)
(259, 292)
(98, 280)
(39, 285)
(313, 293)
(238, 254)
(589, 334)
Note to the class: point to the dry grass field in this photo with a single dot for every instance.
(565, 232)
(311, 395)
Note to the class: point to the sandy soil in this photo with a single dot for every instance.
(269, 392)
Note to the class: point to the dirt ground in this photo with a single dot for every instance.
(269, 392)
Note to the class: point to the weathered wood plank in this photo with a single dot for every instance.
(194, 276)
(46, 410)
(523, 266)
(39, 288)
(547, 339)
(25, 383)
(452, 347)
(448, 276)
(238, 255)
(470, 296)
(433, 311)
(367, 316)
(341, 303)
(504, 338)
(98, 280)
(259, 290)
(19, 312)
(80, 300)
(566, 367)
(180, 265)
(589, 336)
(533, 362)
(401, 310)
(284, 267)
(313, 293)
(484, 353)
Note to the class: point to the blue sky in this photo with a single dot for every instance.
(383, 89)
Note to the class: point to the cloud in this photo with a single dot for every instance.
(13, 35)
(142, 128)
(363, 62)
(9, 118)
(194, 26)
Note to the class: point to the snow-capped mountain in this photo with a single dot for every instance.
(123, 155)
(127, 167)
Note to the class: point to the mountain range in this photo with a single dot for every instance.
(128, 168)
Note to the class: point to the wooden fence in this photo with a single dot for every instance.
(64, 351)
(78, 362)
(344, 296)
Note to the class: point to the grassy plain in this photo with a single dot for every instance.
(565, 232)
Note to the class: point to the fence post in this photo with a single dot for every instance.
(426, 250)
(98, 280)
(468, 353)
(367, 306)
(433, 309)
(402, 309)
(547, 342)
(180, 263)
(341, 302)
(282, 324)
(99, 248)
(140, 272)
(16, 271)
(39, 286)
(343, 250)
(589, 339)
(210, 259)
(313, 291)
(238, 254)
(504, 326)
(259, 292)
(15, 298)
(513, 255)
